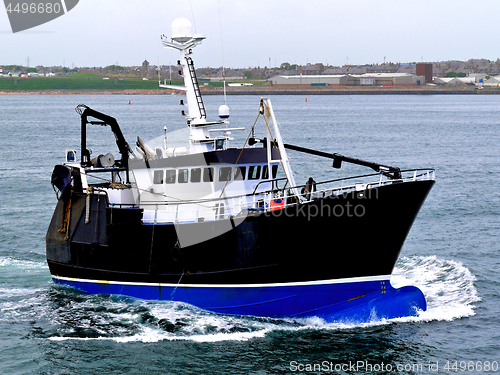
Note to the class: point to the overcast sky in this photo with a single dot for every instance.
(260, 32)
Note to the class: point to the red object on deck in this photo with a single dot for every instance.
(277, 204)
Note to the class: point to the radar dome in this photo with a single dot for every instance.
(224, 111)
(182, 30)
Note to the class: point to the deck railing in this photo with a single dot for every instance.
(212, 209)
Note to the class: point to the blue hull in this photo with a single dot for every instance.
(350, 300)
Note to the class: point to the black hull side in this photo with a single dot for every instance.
(355, 235)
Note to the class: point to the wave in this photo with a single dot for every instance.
(448, 286)
(143, 321)
(68, 314)
(10, 262)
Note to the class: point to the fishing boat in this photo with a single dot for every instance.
(228, 229)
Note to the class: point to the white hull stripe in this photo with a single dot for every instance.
(301, 283)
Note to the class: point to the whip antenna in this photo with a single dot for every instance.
(192, 14)
(222, 49)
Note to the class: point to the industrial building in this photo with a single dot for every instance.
(453, 81)
(426, 71)
(368, 79)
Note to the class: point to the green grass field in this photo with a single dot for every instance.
(81, 81)
(75, 82)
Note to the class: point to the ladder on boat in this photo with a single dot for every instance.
(199, 99)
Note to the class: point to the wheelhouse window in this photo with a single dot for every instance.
(158, 177)
(196, 175)
(208, 174)
(239, 173)
(254, 172)
(265, 171)
(170, 176)
(225, 173)
(183, 176)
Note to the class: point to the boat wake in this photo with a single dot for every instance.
(448, 286)
(60, 313)
(7, 263)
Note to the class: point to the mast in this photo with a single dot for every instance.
(184, 41)
(200, 137)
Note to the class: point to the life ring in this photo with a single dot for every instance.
(277, 204)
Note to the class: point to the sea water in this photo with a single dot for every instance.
(451, 253)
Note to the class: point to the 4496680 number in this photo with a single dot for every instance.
(477, 366)
(33, 8)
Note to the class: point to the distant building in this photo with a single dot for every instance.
(407, 68)
(334, 71)
(454, 81)
(383, 68)
(493, 82)
(310, 69)
(368, 79)
(309, 80)
(346, 69)
(478, 77)
(426, 71)
(145, 66)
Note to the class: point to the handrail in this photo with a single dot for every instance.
(343, 179)
(270, 181)
(374, 174)
(415, 177)
(339, 179)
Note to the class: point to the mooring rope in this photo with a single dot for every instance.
(87, 205)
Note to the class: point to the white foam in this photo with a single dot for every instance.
(16, 292)
(152, 335)
(448, 286)
(17, 263)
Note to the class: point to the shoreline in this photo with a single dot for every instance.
(274, 90)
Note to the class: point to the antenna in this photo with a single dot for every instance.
(192, 14)
(222, 49)
(184, 41)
